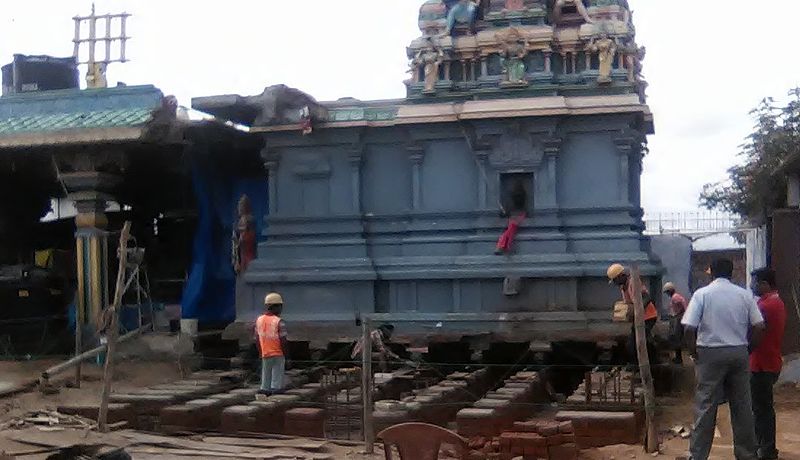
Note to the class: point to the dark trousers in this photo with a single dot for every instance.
(761, 384)
(651, 349)
(676, 337)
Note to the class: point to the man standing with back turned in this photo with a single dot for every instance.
(273, 344)
(766, 361)
(718, 322)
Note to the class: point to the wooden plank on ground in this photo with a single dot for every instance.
(267, 443)
(140, 439)
(262, 454)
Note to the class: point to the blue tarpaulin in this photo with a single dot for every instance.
(209, 293)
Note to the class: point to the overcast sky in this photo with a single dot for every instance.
(708, 62)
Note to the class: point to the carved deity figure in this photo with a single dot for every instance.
(606, 50)
(429, 58)
(460, 12)
(244, 237)
(515, 48)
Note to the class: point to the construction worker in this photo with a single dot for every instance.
(273, 344)
(766, 361)
(619, 276)
(383, 353)
(677, 306)
(722, 323)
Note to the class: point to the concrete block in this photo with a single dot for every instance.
(238, 419)
(305, 422)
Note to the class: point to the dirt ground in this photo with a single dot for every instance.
(129, 375)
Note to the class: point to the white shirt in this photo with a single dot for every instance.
(722, 313)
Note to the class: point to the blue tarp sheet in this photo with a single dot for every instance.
(209, 293)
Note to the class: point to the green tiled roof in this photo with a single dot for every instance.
(73, 111)
(62, 121)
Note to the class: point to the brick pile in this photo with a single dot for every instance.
(598, 429)
(437, 404)
(529, 441)
(147, 404)
(499, 409)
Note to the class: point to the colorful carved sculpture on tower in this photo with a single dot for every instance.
(606, 49)
(429, 58)
(515, 48)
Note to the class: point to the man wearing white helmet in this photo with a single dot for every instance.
(677, 306)
(273, 344)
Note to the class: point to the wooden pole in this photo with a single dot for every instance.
(366, 385)
(89, 354)
(644, 361)
(78, 343)
(113, 331)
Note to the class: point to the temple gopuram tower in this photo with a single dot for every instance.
(530, 107)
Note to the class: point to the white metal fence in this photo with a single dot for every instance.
(697, 222)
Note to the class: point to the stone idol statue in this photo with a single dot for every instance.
(243, 239)
(606, 50)
(515, 48)
(429, 58)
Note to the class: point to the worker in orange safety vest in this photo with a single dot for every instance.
(273, 344)
(619, 276)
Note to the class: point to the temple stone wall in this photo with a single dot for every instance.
(405, 219)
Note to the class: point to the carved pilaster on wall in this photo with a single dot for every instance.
(482, 153)
(271, 160)
(482, 149)
(355, 156)
(625, 144)
(416, 153)
(552, 149)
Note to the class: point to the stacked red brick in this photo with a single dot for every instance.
(598, 429)
(530, 441)
(516, 400)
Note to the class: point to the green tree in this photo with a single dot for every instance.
(754, 187)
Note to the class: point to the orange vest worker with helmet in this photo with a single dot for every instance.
(618, 275)
(273, 345)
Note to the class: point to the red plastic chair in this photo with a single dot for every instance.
(420, 441)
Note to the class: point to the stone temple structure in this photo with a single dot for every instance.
(393, 207)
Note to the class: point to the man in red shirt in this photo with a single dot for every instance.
(766, 361)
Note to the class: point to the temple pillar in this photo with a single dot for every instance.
(91, 249)
(87, 178)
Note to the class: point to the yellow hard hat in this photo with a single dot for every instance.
(668, 287)
(614, 271)
(273, 298)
